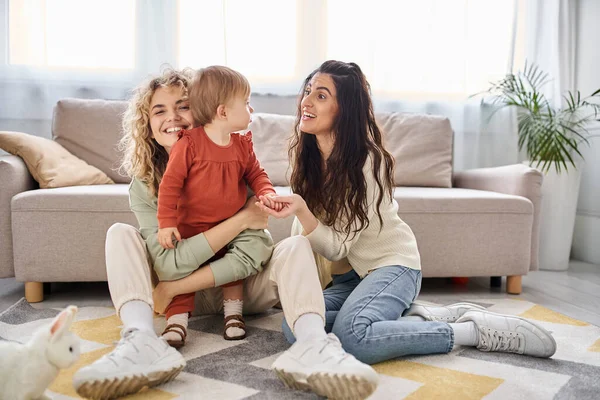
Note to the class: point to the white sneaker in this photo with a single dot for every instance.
(510, 334)
(447, 314)
(324, 367)
(140, 359)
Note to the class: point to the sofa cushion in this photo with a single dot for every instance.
(90, 129)
(446, 222)
(49, 163)
(89, 199)
(46, 223)
(59, 234)
(422, 147)
(464, 232)
(459, 201)
(270, 135)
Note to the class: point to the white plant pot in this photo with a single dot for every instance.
(557, 216)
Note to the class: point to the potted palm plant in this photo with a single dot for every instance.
(552, 137)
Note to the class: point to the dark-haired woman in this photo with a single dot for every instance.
(344, 205)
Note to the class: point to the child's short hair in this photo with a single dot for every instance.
(213, 86)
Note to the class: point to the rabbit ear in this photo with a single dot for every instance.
(62, 322)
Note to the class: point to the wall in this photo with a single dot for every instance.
(586, 238)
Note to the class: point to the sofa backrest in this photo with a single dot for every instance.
(421, 144)
(90, 129)
(271, 134)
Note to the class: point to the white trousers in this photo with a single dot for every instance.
(290, 277)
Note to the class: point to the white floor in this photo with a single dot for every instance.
(575, 293)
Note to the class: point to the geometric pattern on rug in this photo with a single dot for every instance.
(220, 369)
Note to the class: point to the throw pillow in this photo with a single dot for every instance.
(422, 147)
(49, 163)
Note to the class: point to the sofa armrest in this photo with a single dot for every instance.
(515, 179)
(14, 179)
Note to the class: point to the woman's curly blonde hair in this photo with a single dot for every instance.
(143, 157)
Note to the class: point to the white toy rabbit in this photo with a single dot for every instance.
(26, 370)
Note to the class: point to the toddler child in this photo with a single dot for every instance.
(206, 181)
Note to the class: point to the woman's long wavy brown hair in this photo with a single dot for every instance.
(337, 194)
(143, 158)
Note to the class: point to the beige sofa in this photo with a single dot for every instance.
(473, 223)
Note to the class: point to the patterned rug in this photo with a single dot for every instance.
(219, 369)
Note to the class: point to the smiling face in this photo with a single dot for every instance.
(319, 105)
(169, 113)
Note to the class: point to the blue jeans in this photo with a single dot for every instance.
(366, 316)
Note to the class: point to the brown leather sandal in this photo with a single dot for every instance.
(238, 323)
(178, 329)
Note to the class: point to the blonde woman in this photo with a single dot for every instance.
(316, 361)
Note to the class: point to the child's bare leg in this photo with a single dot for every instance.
(234, 292)
(233, 304)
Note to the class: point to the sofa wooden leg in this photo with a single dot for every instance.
(34, 291)
(513, 284)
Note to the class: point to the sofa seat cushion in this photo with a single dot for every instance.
(465, 232)
(59, 234)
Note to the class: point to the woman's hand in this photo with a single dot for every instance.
(290, 205)
(161, 297)
(254, 217)
(283, 206)
(165, 237)
(275, 205)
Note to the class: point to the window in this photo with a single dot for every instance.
(72, 33)
(409, 49)
(257, 38)
(427, 48)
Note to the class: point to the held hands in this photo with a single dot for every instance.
(274, 205)
(253, 216)
(165, 237)
(282, 206)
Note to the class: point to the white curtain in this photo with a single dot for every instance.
(430, 56)
(479, 141)
(83, 49)
(550, 32)
(424, 56)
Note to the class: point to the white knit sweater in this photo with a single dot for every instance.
(369, 249)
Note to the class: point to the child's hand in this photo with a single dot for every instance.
(273, 205)
(288, 205)
(165, 237)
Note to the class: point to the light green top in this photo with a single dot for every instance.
(246, 254)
